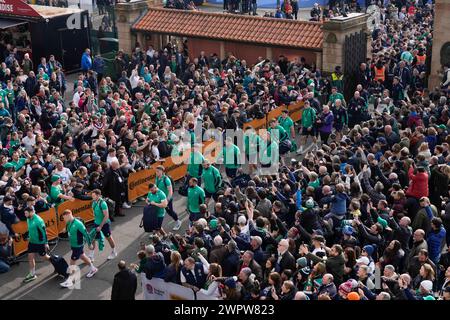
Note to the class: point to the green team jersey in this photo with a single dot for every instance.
(158, 197)
(4, 97)
(282, 134)
(251, 143)
(77, 233)
(194, 167)
(286, 124)
(10, 96)
(212, 179)
(269, 153)
(231, 156)
(334, 96)
(36, 230)
(98, 207)
(18, 164)
(196, 197)
(163, 184)
(308, 117)
(55, 191)
(43, 76)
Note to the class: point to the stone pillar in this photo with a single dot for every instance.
(222, 50)
(440, 39)
(319, 63)
(269, 54)
(155, 3)
(334, 32)
(126, 15)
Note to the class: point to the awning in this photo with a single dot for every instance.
(8, 23)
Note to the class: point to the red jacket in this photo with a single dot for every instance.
(418, 184)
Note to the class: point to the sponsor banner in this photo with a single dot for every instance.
(80, 209)
(173, 169)
(295, 111)
(257, 124)
(275, 113)
(158, 289)
(20, 245)
(138, 183)
(51, 223)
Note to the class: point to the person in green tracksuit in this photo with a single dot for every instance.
(78, 236)
(164, 184)
(196, 197)
(37, 242)
(194, 168)
(212, 181)
(282, 134)
(287, 124)
(308, 121)
(335, 95)
(252, 141)
(231, 156)
(102, 223)
(269, 152)
(57, 195)
(157, 198)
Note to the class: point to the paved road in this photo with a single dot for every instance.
(128, 236)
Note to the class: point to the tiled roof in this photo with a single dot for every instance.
(222, 26)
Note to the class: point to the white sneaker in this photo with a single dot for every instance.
(112, 255)
(300, 150)
(177, 225)
(126, 205)
(66, 284)
(92, 272)
(91, 256)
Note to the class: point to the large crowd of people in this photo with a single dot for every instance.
(358, 210)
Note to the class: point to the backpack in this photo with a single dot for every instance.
(172, 183)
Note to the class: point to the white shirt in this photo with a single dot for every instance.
(150, 53)
(29, 143)
(110, 159)
(65, 174)
(76, 98)
(155, 152)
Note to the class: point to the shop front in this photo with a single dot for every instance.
(41, 31)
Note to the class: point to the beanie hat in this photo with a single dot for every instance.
(427, 285)
(302, 262)
(347, 230)
(346, 287)
(213, 224)
(230, 283)
(354, 283)
(353, 296)
(369, 249)
(383, 222)
(309, 203)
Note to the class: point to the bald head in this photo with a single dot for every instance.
(122, 265)
(300, 296)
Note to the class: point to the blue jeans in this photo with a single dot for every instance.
(4, 267)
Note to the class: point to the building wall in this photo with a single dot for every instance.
(440, 37)
(248, 52)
